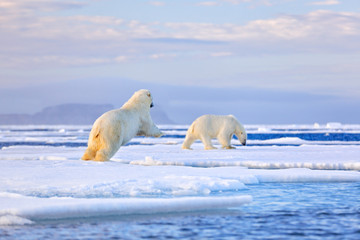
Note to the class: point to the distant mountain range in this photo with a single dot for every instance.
(76, 114)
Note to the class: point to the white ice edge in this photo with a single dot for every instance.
(349, 166)
(18, 209)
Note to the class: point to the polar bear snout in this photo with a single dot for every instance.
(242, 138)
(151, 105)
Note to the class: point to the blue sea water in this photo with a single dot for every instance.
(278, 210)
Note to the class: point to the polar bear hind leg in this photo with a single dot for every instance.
(105, 153)
(108, 149)
(102, 155)
(91, 150)
(89, 154)
(102, 149)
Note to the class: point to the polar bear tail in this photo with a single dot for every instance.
(191, 128)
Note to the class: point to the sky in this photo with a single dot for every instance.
(264, 61)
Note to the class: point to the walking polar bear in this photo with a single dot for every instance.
(207, 127)
(115, 128)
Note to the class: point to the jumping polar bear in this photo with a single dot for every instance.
(207, 127)
(115, 128)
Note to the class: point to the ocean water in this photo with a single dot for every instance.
(304, 182)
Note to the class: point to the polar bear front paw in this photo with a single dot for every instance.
(159, 135)
(210, 148)
(229, 147)
(186, 148)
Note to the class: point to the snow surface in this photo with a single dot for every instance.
(154, 175)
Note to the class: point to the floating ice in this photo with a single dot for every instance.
(263, 129)
(149, 161)
(17, 209)
(333, 125)
(154, 175)
(284, 140)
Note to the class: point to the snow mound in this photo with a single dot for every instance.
(285, 140)
(14, 220)
(333, 125)
(350, 166)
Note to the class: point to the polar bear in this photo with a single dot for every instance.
(207, 127)
(115, 128)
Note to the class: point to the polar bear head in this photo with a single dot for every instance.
(241, 134)
(140, 99)
(240, 131)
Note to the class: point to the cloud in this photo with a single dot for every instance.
(34, 39)
(162, 55)
(253, 2)
(326, 2)
(235, 2)
(38, 5)
(121, 59)
(49, 61)
(318, 24)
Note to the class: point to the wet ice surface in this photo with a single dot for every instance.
(303, 182)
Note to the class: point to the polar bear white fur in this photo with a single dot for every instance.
(115, 128)
(207, 127)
